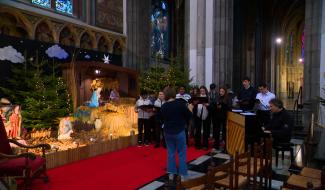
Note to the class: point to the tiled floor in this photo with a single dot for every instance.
(280, 173)
(200, 165)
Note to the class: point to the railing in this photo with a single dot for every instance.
(298, 105)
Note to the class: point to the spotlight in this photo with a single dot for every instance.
(301, 60)
(97, 72)
(278, 40)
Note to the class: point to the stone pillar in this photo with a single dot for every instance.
(223, 42)
(209, 41)
(191, 38)
(321, 114)
(200, 42)
(313, 35)
(138, 34)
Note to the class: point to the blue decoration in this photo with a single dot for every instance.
(94, 100)
(43, 3)
(160, 29)
(64, 6)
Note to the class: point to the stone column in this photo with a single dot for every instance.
(191, 37)
(313, 36)
(312, 49)
(322, 69)
(138, 33)
(223, 42)
(201, 12)
(209, 41)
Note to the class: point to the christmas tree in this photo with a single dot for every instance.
(41, 92)
(157, 77)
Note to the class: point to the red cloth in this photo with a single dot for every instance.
(16, 167)
(4, 143)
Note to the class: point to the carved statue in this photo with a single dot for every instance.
(96, 86)
(65, 129)
(15, 120)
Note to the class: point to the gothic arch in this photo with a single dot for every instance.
(87, 40)
(44, 32)
(103, 44)
(67, 36)
(13, 23)
(120, 42)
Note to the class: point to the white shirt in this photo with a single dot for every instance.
(141, 113)
(158, 103)
(264, 99)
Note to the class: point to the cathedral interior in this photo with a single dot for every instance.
(277, 42)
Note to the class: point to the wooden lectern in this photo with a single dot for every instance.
(241, 131)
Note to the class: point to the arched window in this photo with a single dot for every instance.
(64, 6)
(160, 29)
(43, 3)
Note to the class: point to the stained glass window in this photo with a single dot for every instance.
(64, 6)
(160, 29)
(43, 3)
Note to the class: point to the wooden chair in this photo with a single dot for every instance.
(267, 167)
(222, 175)
(257, 164)
(242, 169)
(199, 183)
(283, 147)
(25, 166)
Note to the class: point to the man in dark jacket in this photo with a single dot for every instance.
(281, 123)
(246, 96)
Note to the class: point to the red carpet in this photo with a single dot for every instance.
(129, 168)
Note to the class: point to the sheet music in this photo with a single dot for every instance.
(222, 156)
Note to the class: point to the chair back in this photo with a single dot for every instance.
(4, 142)
(268, 152)
(242, 161)
(220, 172)
(191, 183)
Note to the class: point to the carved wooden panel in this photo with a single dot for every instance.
(109, 14)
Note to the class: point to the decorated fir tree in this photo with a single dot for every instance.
(156, 78)
(43, 95)
(153, 79)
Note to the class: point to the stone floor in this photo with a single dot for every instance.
(199, 166)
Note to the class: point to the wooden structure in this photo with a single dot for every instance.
(241, 131)
(86, 71)
(60, 158)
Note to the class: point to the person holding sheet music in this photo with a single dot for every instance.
(223, 106)
(185, 98)
(144, 108)
(158, 120)
(262, 102)
(201, 118)
(246, 96)
(213, 96)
